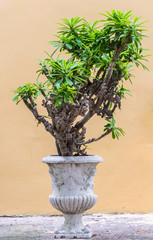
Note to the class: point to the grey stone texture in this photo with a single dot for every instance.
(72, 192)
(104, 226)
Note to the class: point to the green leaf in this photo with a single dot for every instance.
(71, 99)
(37, 94)
(55, 51)
(69, 46)
(39, 75)
(56, 103)
(48, 54)
(69, 81)
(46, 116)
(60, 101)
(58, 83)
(15, 98)
(79, 42)
(128, 14)
(40, 61)
(136, 19)
(65, 98)
(38, 124)
(113, 135)
(105, 57)
(113, 121)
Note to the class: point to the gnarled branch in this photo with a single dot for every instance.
(95, 139)
(32, 107)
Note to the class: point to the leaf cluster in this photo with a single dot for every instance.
(92, 48)
(63, 78)
(116, 131)
(95, 45)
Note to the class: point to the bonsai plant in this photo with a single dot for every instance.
(91, 81)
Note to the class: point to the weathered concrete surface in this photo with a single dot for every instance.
(105, 227)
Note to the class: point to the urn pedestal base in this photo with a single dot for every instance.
(73, 228)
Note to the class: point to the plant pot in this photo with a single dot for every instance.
(72, 187)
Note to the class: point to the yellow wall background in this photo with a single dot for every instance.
(124, 181)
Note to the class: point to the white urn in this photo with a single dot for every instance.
(72, 191)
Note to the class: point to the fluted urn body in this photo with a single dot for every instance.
(72, 191)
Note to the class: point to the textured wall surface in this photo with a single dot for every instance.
(124, 181)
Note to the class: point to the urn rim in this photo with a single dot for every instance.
(72, 159)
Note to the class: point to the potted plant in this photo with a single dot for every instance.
(90, 82)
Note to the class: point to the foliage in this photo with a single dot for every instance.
(116, 131)
(91, 81)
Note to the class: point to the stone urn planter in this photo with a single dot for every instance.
(72, 191)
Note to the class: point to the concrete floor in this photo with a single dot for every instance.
(105, 227)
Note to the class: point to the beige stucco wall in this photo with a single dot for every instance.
(124, 182)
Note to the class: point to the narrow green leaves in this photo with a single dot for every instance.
(63, 94)
(91, 48)
(29, 90)
(122, 91)
(116, 131)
